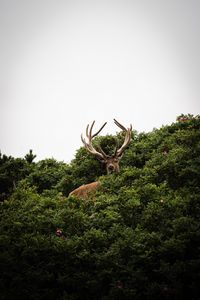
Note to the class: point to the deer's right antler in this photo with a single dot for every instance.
(88, 145)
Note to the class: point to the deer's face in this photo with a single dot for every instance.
(111, 161)
(112, 165)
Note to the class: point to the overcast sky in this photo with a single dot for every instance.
(65, 63)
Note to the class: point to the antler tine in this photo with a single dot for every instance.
(88, 145)
(87, 134)
(101, 150)
(127, 138)
(125, 143)
(83, 140)
(99, 129)
(120, 125)
(90, 134)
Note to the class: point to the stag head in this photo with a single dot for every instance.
(111, 161)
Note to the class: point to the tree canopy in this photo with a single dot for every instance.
(139, 239)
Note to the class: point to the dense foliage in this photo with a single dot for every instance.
(139, 239)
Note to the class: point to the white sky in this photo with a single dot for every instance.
(65, 63)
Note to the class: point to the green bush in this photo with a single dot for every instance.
(139, 239)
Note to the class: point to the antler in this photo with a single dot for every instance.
(88, 145)
(127, 139)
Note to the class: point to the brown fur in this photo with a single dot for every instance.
(85, 191)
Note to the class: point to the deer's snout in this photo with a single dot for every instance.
(111, 168)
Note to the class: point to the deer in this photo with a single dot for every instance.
(111, 161)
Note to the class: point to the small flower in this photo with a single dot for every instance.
(119, 285)
(59, 233)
